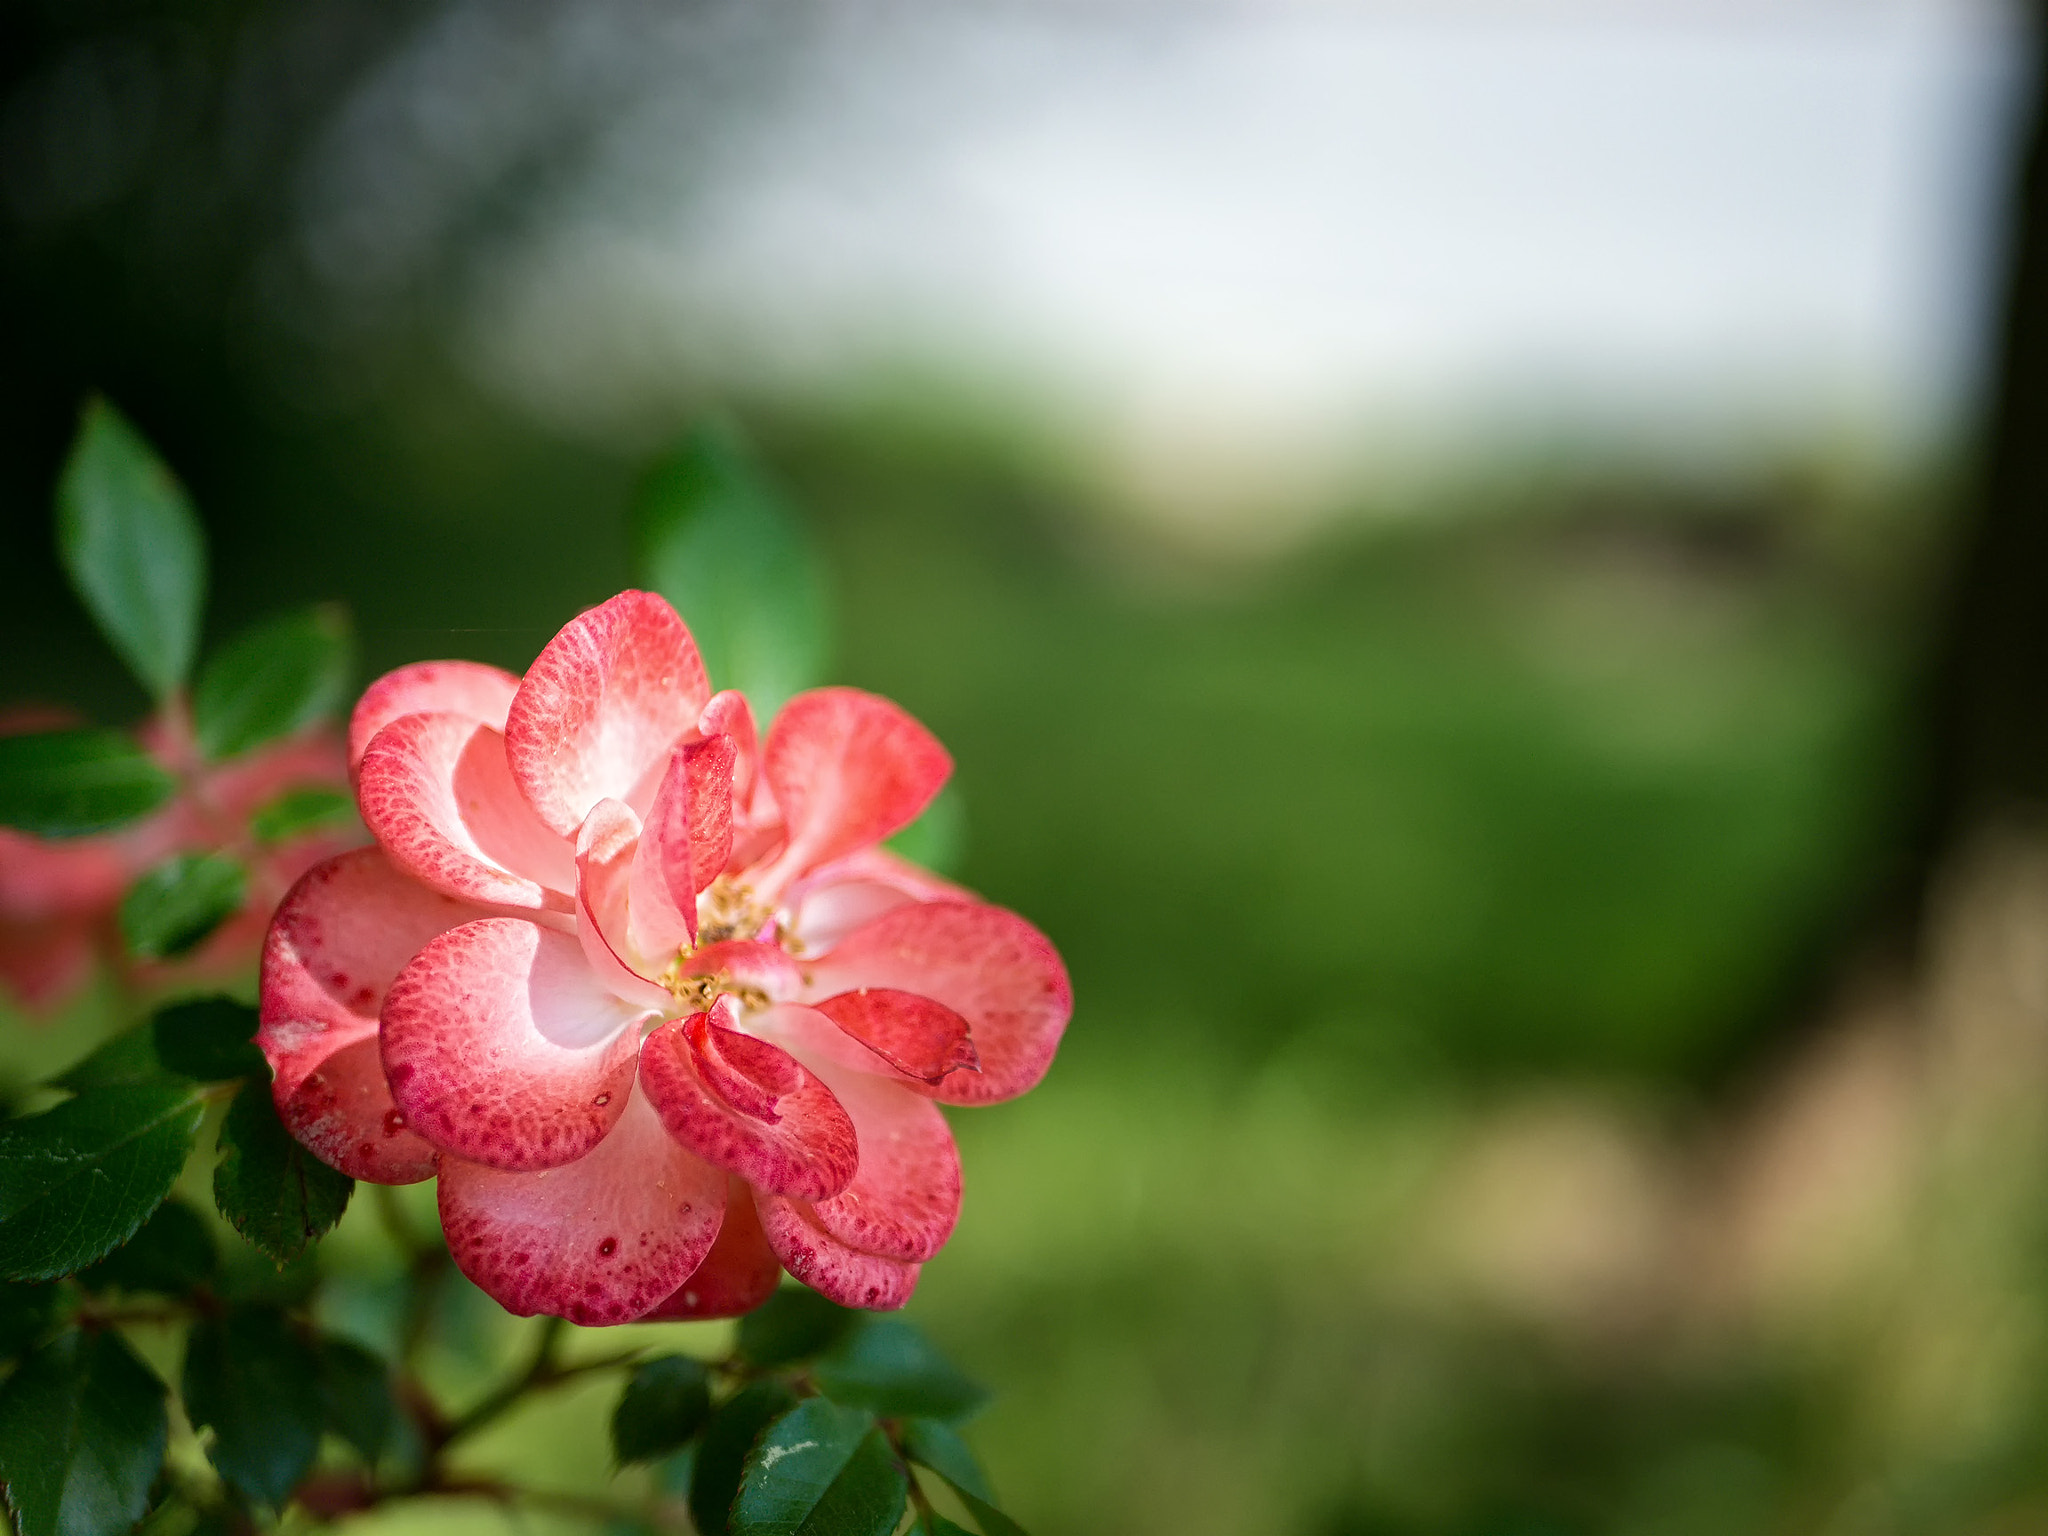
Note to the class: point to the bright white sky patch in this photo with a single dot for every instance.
(1290, 228)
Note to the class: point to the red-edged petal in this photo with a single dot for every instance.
(602, 707)
(737, 1275)
(915, 1035)
(339, 938)
(828, 1266)
(989, 966)
(905, 1198)
(684, 845)
(466, 688)
(848, 768)
(748, 1105)
(766, 968)
(729, 714)
(829, 903)
(343, 1113)
(598, 1241)
(502, 1047)
(605, 860)
(435, 791)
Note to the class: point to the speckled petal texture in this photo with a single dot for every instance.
(502, 1048)
(435, 793)
(905, 1196)
(466, 688)
(750, 1106)
(737, 1275)
(339, 938)
(848, 769)
(601, 1240)
(989, 966)
(828, 1266)
(602, 707)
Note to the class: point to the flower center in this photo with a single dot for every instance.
(727, 909)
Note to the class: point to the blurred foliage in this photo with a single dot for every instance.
(1432, 897)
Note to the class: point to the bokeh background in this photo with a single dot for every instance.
(1481, 564)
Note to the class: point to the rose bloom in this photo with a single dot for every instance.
(59, 895)
(642, 989)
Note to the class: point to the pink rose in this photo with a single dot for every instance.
(59, 896)
(643, 990)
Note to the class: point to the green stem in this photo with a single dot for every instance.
(540, 1371)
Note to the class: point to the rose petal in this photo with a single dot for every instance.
(989, 966)
(915, 1035)
(737, 1275)
(828, 1266)
(848, 768)
(606, 851)
(748, 1105)
(600, 1240)
(47, 877)
(729, 714)
(905, 1198)
(684, 846)
(603, 706)
(343, 1113)
(435, 791)
(502, 1047)
(466, 688)
(830, 902)
(339, 938)
(44, 961)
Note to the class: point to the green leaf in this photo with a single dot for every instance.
(276, 1193)
(128, 1058)
(355, 1396)
(936, 1444)
(133, 548)
(255, 1382)
(890, 1366)
(172, 1253)
(77, 1181)
(82, 1432)
(299, 811)
(938, 838)
(722, 1453)
(793, 1324)
(209, 1039)
(71, 783)
(172, 909)
(662, 1408)
(25, 1311)
(272, 680)
(993, 1521)
(932, 1523)
(820, 1469)
(713, 537)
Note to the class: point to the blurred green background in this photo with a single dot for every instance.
(1487, 1110)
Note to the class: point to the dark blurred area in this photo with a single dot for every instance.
(1561, 943)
